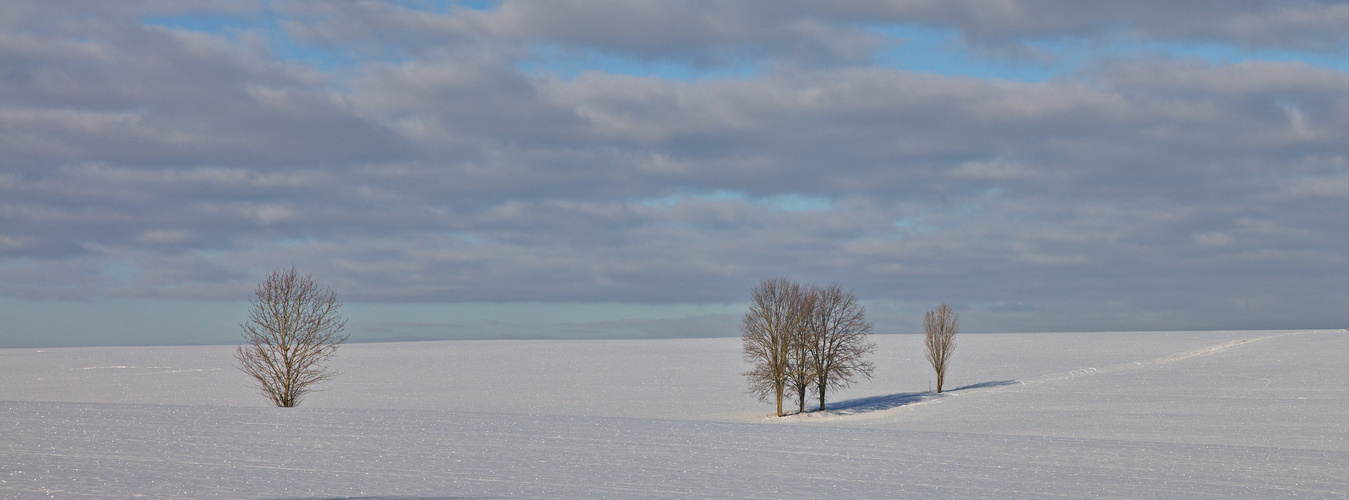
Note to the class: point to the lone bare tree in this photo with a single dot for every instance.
(767, 332)
(293, 328)
(839, 343)
(940, 326)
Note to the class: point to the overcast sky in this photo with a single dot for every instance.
(601, 168)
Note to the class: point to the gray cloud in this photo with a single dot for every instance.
(722, 33)
(141, 161)
(1295, 25)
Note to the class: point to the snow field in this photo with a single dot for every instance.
(1139, 415)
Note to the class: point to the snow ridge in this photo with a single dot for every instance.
(1083, 372)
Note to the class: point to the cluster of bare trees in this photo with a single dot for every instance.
(293, 328)
(804, 340)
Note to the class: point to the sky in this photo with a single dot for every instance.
(606, 169)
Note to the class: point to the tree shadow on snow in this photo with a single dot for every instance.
(981, 385)
(888, 401)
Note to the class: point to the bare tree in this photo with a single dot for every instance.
(801, 360)
(940, 327)
(766, 334)
(293, 328)
(839, 346)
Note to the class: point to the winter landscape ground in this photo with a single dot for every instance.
(1239, 414)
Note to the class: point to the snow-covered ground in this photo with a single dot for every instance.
(1119, 415)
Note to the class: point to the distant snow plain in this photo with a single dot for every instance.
(1234, 414)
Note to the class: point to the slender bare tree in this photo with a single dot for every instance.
(839, 345)
(293, 328)
(766, 335)
(940, 327)
(801, 359)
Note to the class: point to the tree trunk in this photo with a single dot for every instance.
(779, 401)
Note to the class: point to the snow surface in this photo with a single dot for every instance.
(1118, 415)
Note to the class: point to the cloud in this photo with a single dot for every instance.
(1000, 25)
(198, 161)
(993, 170)
(727, 33)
